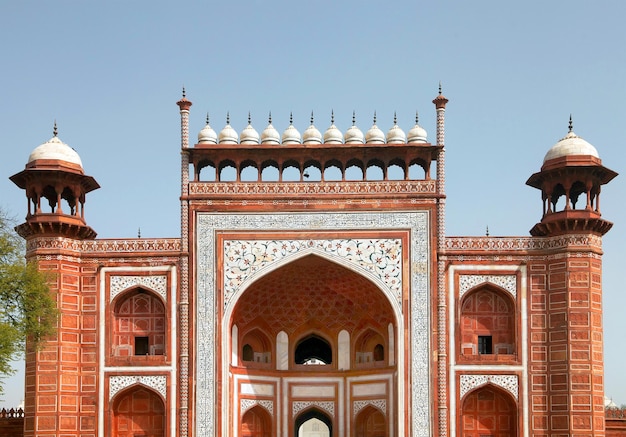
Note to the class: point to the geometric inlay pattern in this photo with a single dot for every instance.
(158, 284)
(383, 258)
(380, 404)
(298, 406)
(507, 382)
(416, 222)
(246, 404)
(507, 282)
(156, 382)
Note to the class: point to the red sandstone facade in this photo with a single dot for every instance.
(301, 300)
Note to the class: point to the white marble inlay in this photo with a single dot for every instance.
(380, 404)
(156, 283)
(156, 382)
(298, 406)
(507, 382)
(506, 282)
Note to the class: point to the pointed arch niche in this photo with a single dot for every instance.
(489, 410)
(247, 263)
(138, 411)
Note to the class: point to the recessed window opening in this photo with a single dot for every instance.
(313, 350)
(485, 345)
(142, 346)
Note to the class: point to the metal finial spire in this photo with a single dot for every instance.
(374, 116)
(249, 118)
(270, 118)
(439, 87)
(417, 117)
(311, 118)
(290, 117)
(487, 231)
(138, 232)
(571, 123)
(227, 117)
(353, 118)
(395, 119)
(184, 94)
(332, 116)
(54, 129)
(207, 118)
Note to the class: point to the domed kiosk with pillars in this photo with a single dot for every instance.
(313, 292)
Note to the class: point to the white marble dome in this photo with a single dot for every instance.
(332, 134)
(207, 135)
(311, 134)
(354, 135)
(270, 135)
(374, 135)
(417, 134)
(570, 145)
(291, 134)
(55, 149)
(249, 135)
(228, 135)
(395, 134)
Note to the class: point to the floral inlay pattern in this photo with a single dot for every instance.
(156, 382)
(157, 284)
(507, 382)
(380, 404)
(242, 259)
(507, 282)
(298, 406)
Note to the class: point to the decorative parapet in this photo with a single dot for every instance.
(491, 244)
(361, 188)
(105, 247)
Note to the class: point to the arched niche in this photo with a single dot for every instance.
(371, 422)
(303, 425)
(256, 422)
(488, 410)
(139, 324)
(138, 411)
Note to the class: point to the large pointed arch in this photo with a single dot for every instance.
(138, 410)
(489, 410)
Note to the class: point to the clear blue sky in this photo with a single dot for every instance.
(111, 72)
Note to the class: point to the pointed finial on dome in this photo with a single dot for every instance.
(270, 118)
(311, 118)
(417, 117)
(184, 94)
(353, 118)
(487, 231)
(138, 232)
(395, 119)
(249, 118)
(227, 117)
(374, 116)
(571, 124)
(290, 117)
(207, 118)
(54, 129)
(439, 87)
(332, 116)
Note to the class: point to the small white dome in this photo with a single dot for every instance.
(249, 135)
(417, 134)
(311, 135)
(332, 134)
(55, 149)
(228, 135)
(207, 135)
(395, 134)
(354, 135)
(570, 145)
(374, 135)
(270, 135)
(291, 134)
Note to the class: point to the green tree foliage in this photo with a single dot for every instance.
(27, 308)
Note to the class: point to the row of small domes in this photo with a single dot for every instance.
(312, 135)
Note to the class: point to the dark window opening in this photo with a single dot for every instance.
(141, 346)
(484, 345)
(313, 350)
(248, 353)
(379, 352)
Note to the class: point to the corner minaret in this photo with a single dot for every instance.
(571, 168)
(54, 173)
